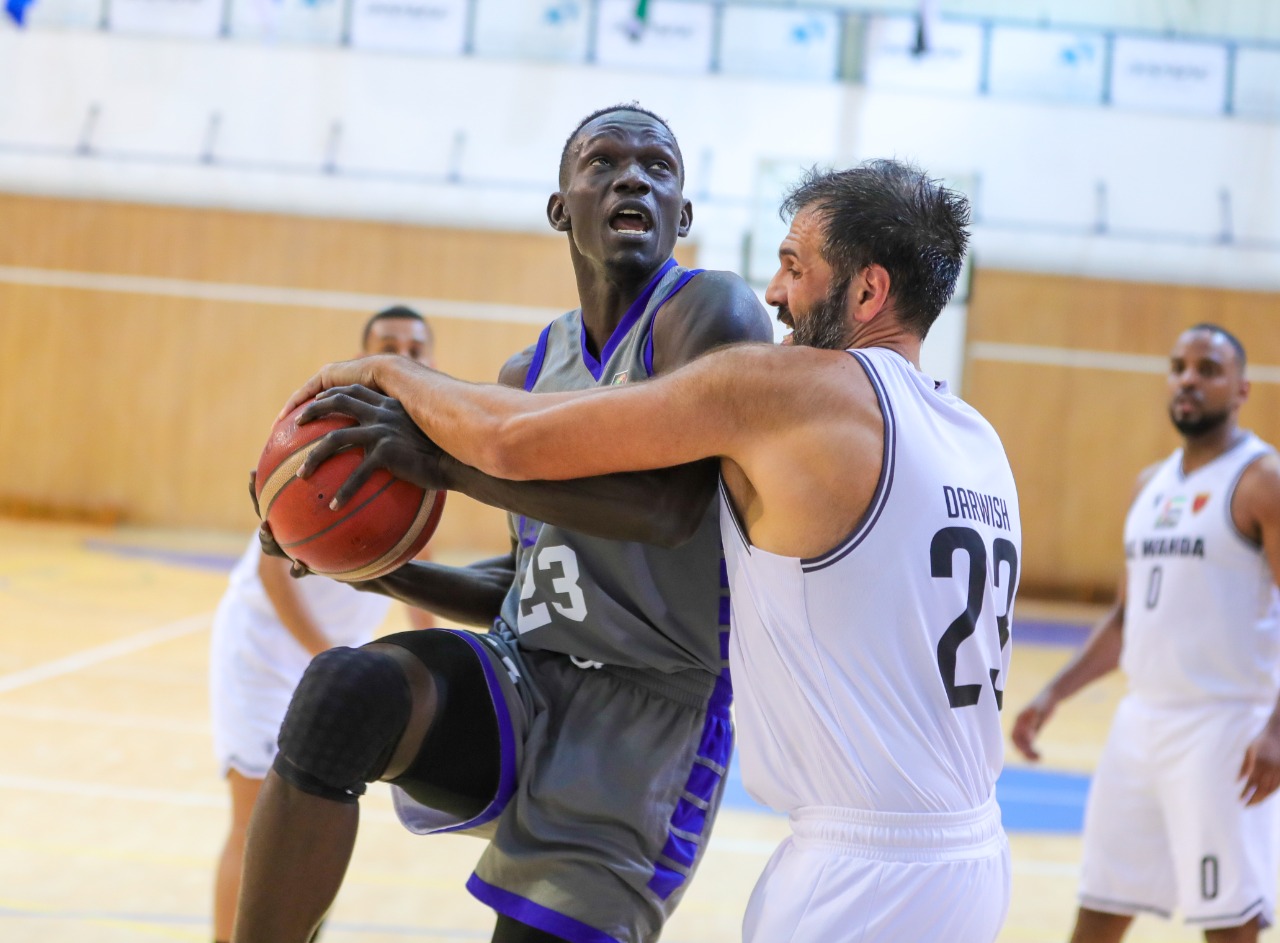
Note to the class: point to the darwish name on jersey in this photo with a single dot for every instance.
(976, 506)
(1165, 547)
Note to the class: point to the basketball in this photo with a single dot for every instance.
(384, 525)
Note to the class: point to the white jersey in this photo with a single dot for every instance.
(871, 677)
(255, 663)
(1202, 613)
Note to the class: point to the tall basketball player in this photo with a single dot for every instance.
(872, 539)
(1181, 814)
(588, 735)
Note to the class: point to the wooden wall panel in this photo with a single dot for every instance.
(155, 407)
(1077, 437)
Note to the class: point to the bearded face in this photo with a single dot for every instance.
(826, 325)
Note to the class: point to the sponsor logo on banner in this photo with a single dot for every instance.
(952, 61)
(801, 44)
(1052, 65)
(187, 18)
(675, 37)
(1164, 75)
(434, 26)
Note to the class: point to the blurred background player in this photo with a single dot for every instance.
(1180, 814)
(269, 626)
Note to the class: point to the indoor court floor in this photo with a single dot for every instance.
(112, 813)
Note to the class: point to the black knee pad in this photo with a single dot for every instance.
(346, 717)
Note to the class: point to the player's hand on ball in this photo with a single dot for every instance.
(384, 431)
(1028, 723)
(266, 540)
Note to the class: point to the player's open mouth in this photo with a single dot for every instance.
(630, 221)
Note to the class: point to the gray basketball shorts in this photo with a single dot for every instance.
(610, 780)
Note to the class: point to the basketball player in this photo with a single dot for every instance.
(588, 734)
(871, 531)
(1181, 814)
(267, 627)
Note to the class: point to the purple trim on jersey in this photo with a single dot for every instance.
(539, 354)
(881, 496)
(506, 735)
(715, 746)
(535, 915)
(648, 341)
(624, 326)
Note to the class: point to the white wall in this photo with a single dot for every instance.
(474, 142)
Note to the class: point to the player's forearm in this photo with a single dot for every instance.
(662, 507)
(470, 421)
(1099, 656)
(283, 593)
(471, 595)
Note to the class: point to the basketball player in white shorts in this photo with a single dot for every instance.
(267, 628)
(1181, 815)
(871, 536)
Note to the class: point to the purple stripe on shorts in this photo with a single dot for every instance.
(680, 850)
(724, 610)
(724, 573)
(716, 745)
(535, 915)
(724, 646)
(702, 782)
(665, 880)
(506, 733)
(689, 818)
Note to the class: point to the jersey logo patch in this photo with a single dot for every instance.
(1171, 511)
(1200, 501)
(619, 378)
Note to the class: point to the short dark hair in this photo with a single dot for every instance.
(396, 311)
(1230, 338)
(600, 112)
(890, 213)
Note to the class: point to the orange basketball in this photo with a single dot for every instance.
(384, 525)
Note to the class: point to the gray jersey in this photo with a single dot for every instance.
(609, 601)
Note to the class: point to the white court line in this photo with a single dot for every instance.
(101, 719)
(271, 295)
(93, 656)
(149, 795)
(1095, 359)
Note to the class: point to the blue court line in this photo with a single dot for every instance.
(219, 562)
(1037, 632)
(1031, 800)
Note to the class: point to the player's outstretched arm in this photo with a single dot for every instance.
(1258, 497)
(1099, 656)
(660, 506)
(471, 594)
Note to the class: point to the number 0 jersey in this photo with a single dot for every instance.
(615, 602)
(1202, 613)
(871, 677)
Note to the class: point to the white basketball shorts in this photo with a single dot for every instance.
(1165, 828)
(880, 877)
